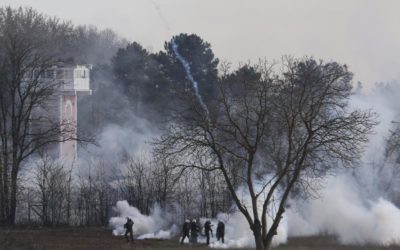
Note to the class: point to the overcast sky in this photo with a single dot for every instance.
(364, 34)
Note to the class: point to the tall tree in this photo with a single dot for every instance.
(139, 76)
(202, 62)
(29, 46)
(90, 45)
(273, 133)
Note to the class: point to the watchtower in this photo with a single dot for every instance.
(73, 81)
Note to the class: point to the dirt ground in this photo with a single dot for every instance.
(95, 238)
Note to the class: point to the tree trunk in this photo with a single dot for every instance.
(268, 244)
(13, 198)
(2, 201)
(258, 236)
(6, 194)
(258, 239)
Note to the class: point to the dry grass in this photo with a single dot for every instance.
(46, 239)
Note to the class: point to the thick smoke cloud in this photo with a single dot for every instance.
(147, 226)
(239, 235)
(160, 224)
(237, 230)
(352, 205)
(343, 212)
(117, 140)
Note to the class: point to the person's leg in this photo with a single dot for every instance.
(208, 238)
(222, 236)
(131, 233)
(126, 235)
(183, 237)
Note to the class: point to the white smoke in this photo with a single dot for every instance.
(189, 75)
(146, 226)
(341, 211)
(239, 235)
(157, 225)
(351, 205)
(161, 234)
(237, 230)
(117, 140)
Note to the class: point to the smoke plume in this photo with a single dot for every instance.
(343, 212)
(352, 206)
(189, 75)
(146, 226)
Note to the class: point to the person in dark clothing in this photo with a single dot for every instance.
(220, 231)
(128, 226)
(193, 231)
(185, 230)
(207, 230)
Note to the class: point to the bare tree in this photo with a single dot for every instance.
(28, 48)
(52, 182)
(271, 131)
(138, 183)
(388, 168)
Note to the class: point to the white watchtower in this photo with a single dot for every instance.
(73, 81)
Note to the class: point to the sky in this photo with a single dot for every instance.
(363, 34)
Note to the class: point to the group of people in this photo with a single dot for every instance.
(191, 230)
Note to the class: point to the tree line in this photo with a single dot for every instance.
(127, 81)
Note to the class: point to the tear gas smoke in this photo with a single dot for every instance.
(343, 212)
(239, 235)
(147, 226)
(237, 230)
(119, 142)
(182, 60)
(189, 75)
(161, 16)
(158, 225)
(352, 206)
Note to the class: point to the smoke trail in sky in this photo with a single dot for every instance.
(186, 66)
(160, 14)
(182, 60)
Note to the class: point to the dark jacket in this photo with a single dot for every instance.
(207, 227)
(128, 225)
(193, 229)
(185, 228)
(221, 228)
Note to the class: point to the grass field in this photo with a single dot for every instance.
(80, 239)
